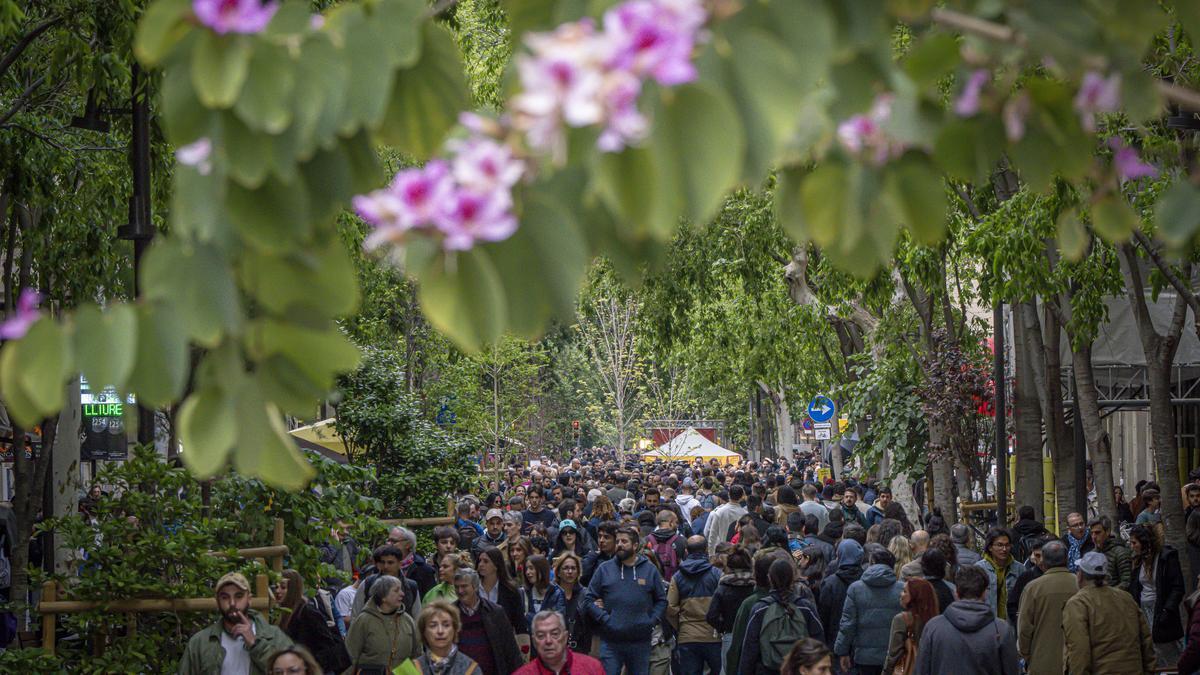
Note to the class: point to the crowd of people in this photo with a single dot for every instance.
(598, 566)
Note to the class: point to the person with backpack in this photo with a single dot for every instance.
(920, 606)
(777, 622)
(667, 544)
(968, 639)
(871, 604)
(1026, 530)
(688, 599)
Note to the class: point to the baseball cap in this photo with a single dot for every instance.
(1094, 564)
(567, 523)
(494, 513)
(235, 578)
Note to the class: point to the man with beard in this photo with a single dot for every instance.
(493, 535)
(240, 642)
(625, 601)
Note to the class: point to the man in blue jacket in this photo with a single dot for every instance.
(625, 601)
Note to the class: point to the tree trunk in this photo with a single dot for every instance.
(1064, 457)
(1037, 351)
(30, 478)
(943, 473)
(1027, 415)
(1159, 349)
(1098, 441)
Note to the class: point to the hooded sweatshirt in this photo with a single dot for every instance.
(688, 599)
(866, 623)
(832, 596)
(634, 600)
(731, 591)
(967, 640)
(686, 503)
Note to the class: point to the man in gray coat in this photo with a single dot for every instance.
(961, 536)
(968, 639)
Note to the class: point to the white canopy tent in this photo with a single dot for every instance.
(691, 444)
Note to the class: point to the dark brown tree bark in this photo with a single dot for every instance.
(1027, 416)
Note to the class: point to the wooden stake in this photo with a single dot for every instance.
(49, 593)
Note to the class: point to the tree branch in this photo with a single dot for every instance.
(13, 54)
(1184, 290)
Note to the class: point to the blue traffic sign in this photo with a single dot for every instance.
(821, 409)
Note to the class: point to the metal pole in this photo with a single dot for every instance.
(1001, 415)
(140, 228)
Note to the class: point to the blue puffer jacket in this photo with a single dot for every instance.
(634, 600)
(871, 603)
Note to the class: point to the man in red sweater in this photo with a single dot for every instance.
(549, 634)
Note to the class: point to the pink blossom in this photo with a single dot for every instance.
(865, 135)
(26, 315)
(234, 16)
(485, 165)
(316, 21)
(196, 154)
(626, 124)
(469, 216)
(1016, 109)
(1097, 94)
(409, 202)
(1128, 164)
(655, 38)
(967, 103)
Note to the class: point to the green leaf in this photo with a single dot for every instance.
(197, 277)
(918, 195)
(106, 344)
(319, 91)
(220, 65)
(264, 450)
(18, 404)
(371, 75)
(401, 21)
(274, 217)
(264, 104)
(1072, 237)
(528, 15)
(1177, 213)
(1188, 13)
(293, 17)
(46, 361)
(426, 99)
(160, 371)
(196, 206)
(766, 85)
(826, 205)
(186, 119)
(207, 431)
(541, 265)
(160, 29)
(691, 161)
(288, 387)
(909, 10)
(463, 297)
(319, 282)
(969, 149)
(318, 353)
(789, 203)
(248, 152)
(931, 59)
(1113, 219)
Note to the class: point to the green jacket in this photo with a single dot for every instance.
(378, 639)
(1106, 634)
(1120, 563)
(1040, 620)
(204, 654)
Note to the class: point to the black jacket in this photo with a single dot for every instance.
(1169, 590)
(945, 595)
(578, 626)
(1024, 533)
(732, 589)
(833, 598)
(309, 629)
(421, 572)
(751, 661)
(500, 635)
(590, 562)
(1031, 573)
(509, 599)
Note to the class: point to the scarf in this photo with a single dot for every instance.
(1001, 585)
(442, 666)
(1073, 547)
